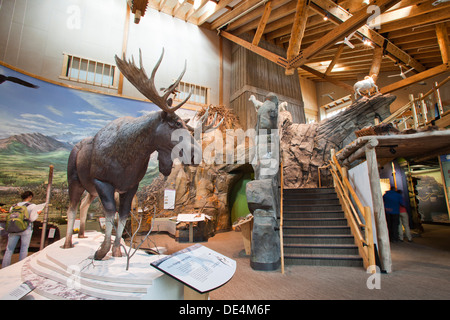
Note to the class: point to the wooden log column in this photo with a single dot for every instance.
(384, 247)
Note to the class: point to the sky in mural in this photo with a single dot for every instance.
(60, 112)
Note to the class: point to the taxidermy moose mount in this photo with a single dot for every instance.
(116, 158)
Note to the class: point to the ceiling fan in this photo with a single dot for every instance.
(402, 74)
(347, 40)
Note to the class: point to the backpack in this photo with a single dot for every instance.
(18, 219)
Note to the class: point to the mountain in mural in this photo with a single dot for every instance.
(31, 143)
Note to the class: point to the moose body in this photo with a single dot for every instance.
(116, 158)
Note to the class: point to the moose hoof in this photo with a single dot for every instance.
(99, 255)
(116, 252)
(67, 246)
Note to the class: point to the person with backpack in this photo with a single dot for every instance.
(19, 225)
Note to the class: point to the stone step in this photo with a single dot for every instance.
(333, 249)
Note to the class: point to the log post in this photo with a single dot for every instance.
(378, 207)
(47, 201)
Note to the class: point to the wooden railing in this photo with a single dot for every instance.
(362, 231)
(419, 114)
(281, 217)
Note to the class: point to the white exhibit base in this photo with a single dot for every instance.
(73, 274)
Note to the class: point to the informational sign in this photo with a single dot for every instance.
(198, 267)
(444, 161)
(192, 217)
(19, 292)
(169, 199)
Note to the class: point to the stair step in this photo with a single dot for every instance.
(308, 190)
(314, 214)
(317, 207)
(331, 249)
(323, 260)
(318, 239)
(328, 195)
(310, 202)
(315, 221)
(316, 230)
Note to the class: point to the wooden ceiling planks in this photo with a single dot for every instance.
(407, 32)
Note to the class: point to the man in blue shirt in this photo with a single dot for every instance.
(392, 201)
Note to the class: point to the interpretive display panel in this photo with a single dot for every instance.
(198, 267)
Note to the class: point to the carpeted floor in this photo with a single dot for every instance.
(421, 270)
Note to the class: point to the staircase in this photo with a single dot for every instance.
(315, 230)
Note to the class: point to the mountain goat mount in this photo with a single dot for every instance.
(116, 158)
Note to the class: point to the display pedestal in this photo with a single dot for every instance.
(73, 274)
(246, 226)
(190, 294)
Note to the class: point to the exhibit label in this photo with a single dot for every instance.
(198, 267)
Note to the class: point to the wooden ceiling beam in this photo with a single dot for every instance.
(327, 78)
(260, 51)
(410, 12)
(279, 16)
(251, 19)
(416, 21)
(416, 78)
(243, 7)
(221, 5)
(335, 59)
(392, 50)
(297, 31)
(442, 37)
(262, 23)
(351, 24)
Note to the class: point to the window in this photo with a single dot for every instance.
(89, 71)
(200, 94)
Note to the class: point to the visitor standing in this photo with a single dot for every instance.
(404, 223)
(392, 201)
(24, 236)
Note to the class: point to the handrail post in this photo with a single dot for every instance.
(437, 96)
(369, 237)
(424, 108)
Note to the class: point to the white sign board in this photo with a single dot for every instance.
(198, 267)
(19, 292)
(169, 199)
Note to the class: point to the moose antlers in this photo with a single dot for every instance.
(138, 77)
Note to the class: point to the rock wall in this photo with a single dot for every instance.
(305, 147)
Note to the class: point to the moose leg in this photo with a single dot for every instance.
(106, 193)
(84, 207)
(126, 200)
(75, 193)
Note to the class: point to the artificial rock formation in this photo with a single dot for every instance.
(306, 147)
(204, 188)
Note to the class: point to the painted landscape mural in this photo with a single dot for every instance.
(40, 122)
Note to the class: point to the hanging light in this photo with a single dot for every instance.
(325, 18)
(367, 42)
